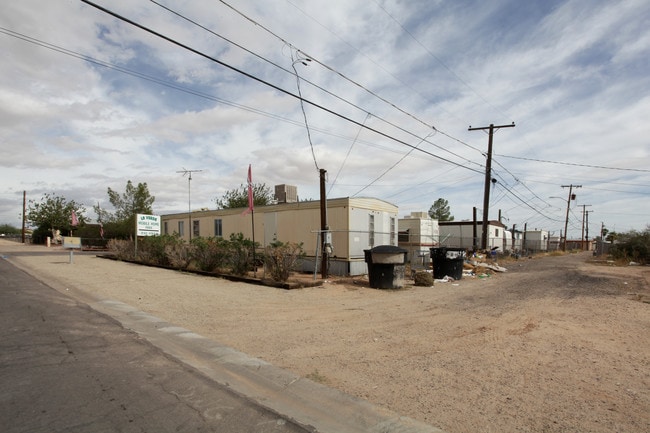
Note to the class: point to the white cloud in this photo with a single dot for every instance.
(571, 74)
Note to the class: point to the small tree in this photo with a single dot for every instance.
(440, 210)
(236, 198)
(241, 253)
(134, 200)
(54, 213)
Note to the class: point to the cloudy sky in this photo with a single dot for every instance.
(89, 101)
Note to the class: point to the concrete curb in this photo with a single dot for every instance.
(308, 403)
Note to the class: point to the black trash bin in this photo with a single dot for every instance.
(386, 266)
(448, 262)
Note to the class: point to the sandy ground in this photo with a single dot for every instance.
(556, 344)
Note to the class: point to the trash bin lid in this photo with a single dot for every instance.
(388, 254)
(387, 249)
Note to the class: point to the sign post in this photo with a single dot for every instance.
(146, 225)
(72, 243)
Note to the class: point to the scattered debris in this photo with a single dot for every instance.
(492, 266)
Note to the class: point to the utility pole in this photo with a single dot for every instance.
(189, 197)
(324, 234)
(584, 215)
(488, 177)
(24, 217)
(587, 227)
(568, 204)
(474, 234)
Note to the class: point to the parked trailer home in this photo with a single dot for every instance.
(355, 224)
(418, 233)
(460, 234)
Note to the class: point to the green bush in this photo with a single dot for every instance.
(210, 254)
(633, 246)
(154, 249)
(280, 259)
(241, 254)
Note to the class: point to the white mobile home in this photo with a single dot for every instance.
(418, 233)
(460, 234)
(536, 240)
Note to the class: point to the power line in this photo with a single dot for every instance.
(391, 167)
(574, 164)
(262, 81)
(346, 156)
(348, 79)
(303, 61)
(177, 87)
(437, 58)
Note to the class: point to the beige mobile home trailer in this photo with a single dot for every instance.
(355, 224)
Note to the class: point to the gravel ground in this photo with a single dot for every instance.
(555, 344)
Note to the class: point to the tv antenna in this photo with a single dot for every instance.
(188, 173)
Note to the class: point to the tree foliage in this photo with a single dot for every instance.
(134, 200)
(8, 229)
(236, 198)
(634, 246)
(53, 213)
(440, 210)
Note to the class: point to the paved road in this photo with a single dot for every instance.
(75, 363)
(66, 368)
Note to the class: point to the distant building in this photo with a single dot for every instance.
(418, 233)
(355, 224)
(460, 234)
(536, 241)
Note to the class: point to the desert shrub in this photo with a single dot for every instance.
(153, 249)
(210, 254)
(423, 278)
(121, 249)
(634, 246)
(280, 259)
(179, 254)
(240, 251)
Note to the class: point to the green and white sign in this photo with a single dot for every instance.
(147, 225)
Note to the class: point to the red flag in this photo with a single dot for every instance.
(75, 221)
(250, 192)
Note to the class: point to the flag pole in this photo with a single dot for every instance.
(251, 209)
(253, 230)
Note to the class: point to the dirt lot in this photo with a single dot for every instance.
(555, 344)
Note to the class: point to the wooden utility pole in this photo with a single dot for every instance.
(24, 217)
(324, 228)
(587, 229)
(474, 234)
(488, 177)
(568, 204)
(582, 235)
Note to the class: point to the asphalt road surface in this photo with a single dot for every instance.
(67, 368)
